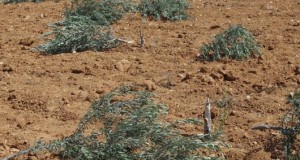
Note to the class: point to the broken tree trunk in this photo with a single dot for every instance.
(207, 117)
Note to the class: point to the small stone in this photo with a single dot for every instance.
(185, 76)
(99, 91)
(6, 147)
(216, 76)
(150, 85)
(221, 71)
(204, 69)
(214, 113)
(20, 126)
(248, 97)
(81, 88)
(293, 22)
(214, 27)
(88, 98)
(77, 71)
(123, 65)
(7, 68)
(2, 148)
(26, 42)
(11, 97)
(297, 70)
(88, 71)
(84, 95)
(232, 113)
(270, 48)
(208, 79)
(229, 77)
(14, 150)
(246, 136)
(253, 71)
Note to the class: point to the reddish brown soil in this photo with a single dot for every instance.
(44, 97)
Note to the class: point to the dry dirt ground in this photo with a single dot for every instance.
(44, 97)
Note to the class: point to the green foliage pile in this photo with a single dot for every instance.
(235, 43)
(76, 34)
(164, 9)
(291, 127)
(85, 27)
(129, 125)
(104, 12)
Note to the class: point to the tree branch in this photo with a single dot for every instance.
(264, 126)
(17, 154)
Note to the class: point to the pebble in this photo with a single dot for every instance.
(297, 70)
(221, 71)
(123, 65)
(150, 85)
(208, 79)
(76, 71)
(216, 76)
(26, 41)
(229, 77)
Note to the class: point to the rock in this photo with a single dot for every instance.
(26, 41)
(214, 26)
(248, 97)
(253, 71)
(185, 76)
(123, 65)
(88, 71)
(294, 23)
(257, 87)
(216, 76)
(270, 48)
(99, 91)
(204, 70)
(83, 95)
(11, 97)
(297, 70)
(150, 85)
(77, 71)
(221, 71)
(81, 88)
(229, 77)
(208, 79)
(21, 124)
(7, 68)
(25, 48)
(214, 113)
(232, 113)
(14, 150)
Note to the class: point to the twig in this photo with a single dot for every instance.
(125, 41)
(264, 126)
(207, 118)
(17, 154)
(142, 39)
